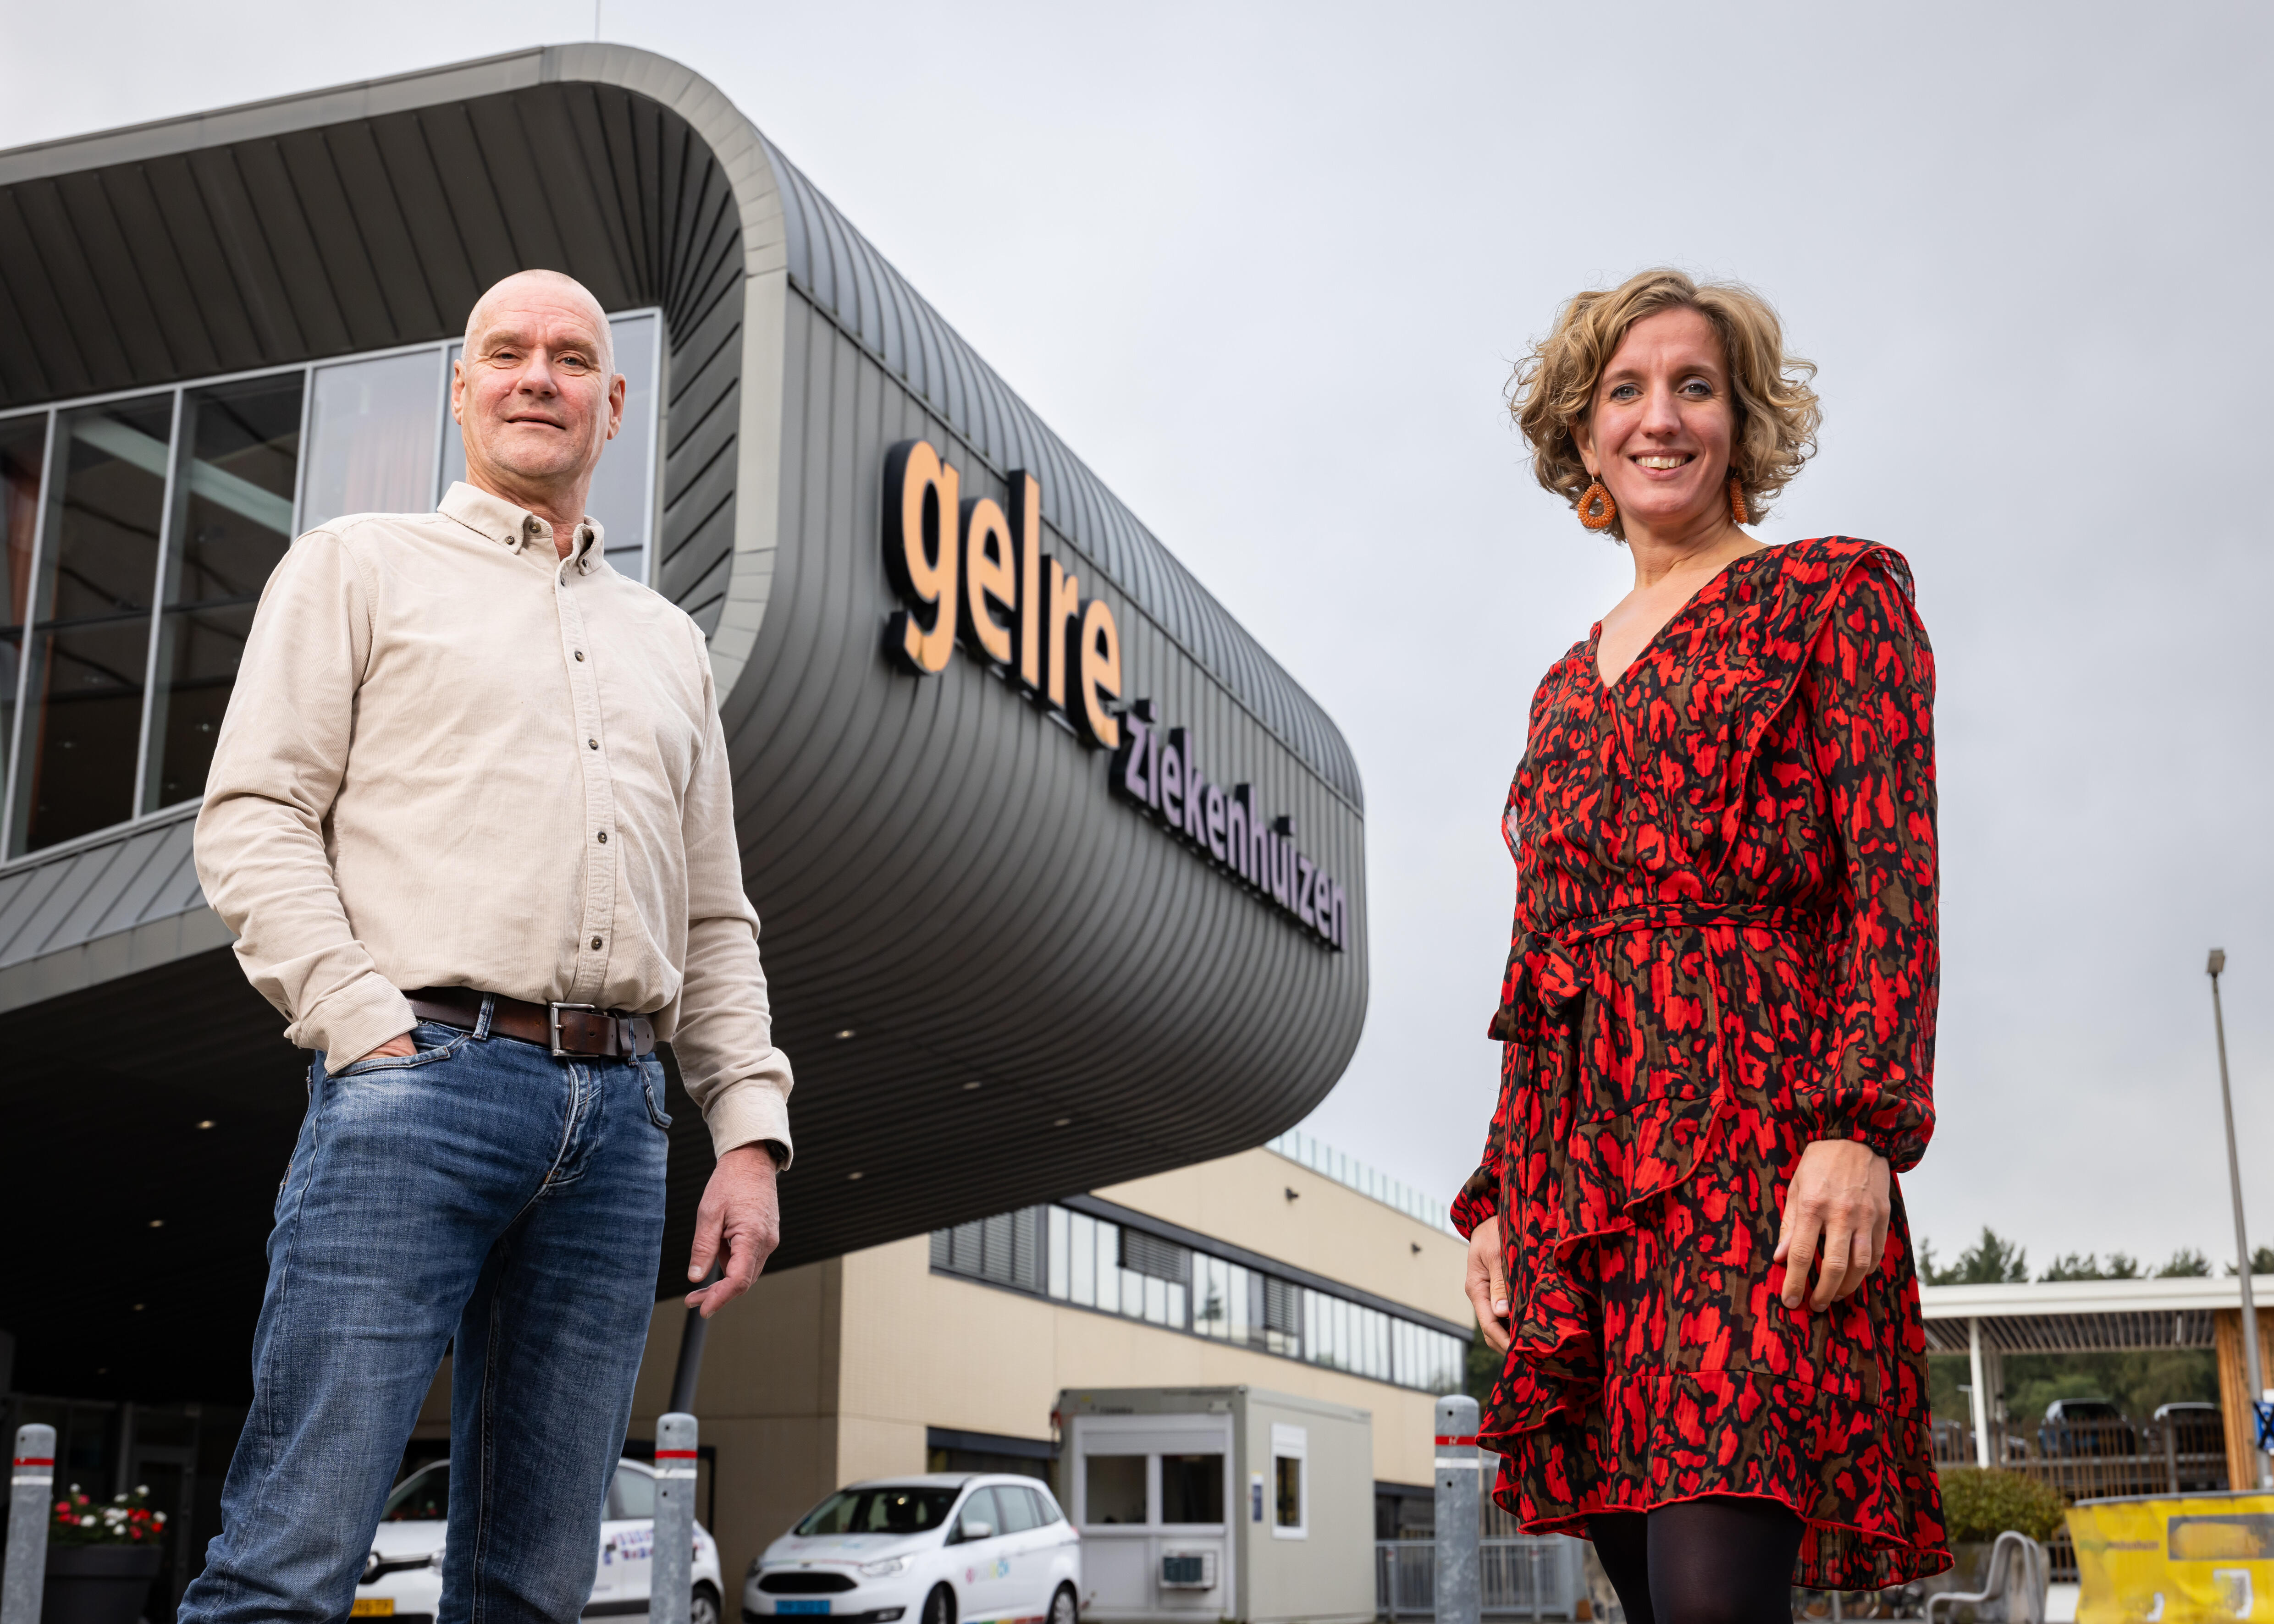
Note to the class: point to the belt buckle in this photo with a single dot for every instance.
(552, 1025)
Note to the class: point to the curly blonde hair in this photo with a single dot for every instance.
(1553, 386)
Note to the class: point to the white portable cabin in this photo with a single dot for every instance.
(1211, 1503)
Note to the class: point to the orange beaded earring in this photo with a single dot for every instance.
(1596, 508)
(1737, 500)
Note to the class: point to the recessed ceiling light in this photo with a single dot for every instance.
(844, 1032)
(157, 1223)
(208, 1123)
(968, 1087)
(138, 1308)
(1063, 1121)
(850, 1176)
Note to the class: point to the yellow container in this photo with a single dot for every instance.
(2173, 1558)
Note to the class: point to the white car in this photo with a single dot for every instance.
(953, 1548)
(403, 1576)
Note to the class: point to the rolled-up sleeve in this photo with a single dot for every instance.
(277, 768)
(723, 1027)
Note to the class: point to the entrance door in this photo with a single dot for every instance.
(169, 1472)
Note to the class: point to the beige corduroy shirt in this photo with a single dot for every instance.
(453, 758)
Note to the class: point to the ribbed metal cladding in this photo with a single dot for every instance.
(1046, 993)
(942, 872)
(844, 276)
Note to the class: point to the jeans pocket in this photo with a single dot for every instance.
(655, 1114)
(429, 1040)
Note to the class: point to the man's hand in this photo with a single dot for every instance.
(741, 1214)
(1487, 1283)
(397, 1047)
(1838, 1193)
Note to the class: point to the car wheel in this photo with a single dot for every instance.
(939, 1606)
(703, 1609)
(1061, 1605)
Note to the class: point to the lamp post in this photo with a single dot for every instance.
(2253, 1381)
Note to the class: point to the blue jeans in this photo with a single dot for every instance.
(482, 1189)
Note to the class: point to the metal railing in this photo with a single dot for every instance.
(1524, 1577)
(2088, 1460)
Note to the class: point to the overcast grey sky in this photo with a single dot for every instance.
(1266, 267)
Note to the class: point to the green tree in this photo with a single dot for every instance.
(2187, 1263)
(1992, 1261)
(2087, 1266)
(2261, 1261)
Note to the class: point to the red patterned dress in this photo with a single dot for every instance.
(1724, 949)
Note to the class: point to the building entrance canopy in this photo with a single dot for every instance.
(2100, 1316)
(999, 983)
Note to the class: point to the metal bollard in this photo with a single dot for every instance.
(672, 1592)
(32, 1490)
(1460, 1520)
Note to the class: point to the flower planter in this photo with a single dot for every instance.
(98, 1585)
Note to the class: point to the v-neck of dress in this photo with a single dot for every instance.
(1595, 632)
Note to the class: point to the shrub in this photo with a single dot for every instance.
(1982, 1505)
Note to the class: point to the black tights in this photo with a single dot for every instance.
(1721, 1560)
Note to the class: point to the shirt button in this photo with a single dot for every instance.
(604, 837)
(596, 944)
(580, 654)
(595, 743)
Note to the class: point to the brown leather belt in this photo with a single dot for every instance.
(565, 1028)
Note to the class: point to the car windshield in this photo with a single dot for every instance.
(2088, 1410)
(422, 1497)
(879, 1511)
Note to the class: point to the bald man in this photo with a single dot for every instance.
(469, 818)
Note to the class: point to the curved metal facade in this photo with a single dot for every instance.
(1044, 991)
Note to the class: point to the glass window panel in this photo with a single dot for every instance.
(1179, 1297)
(232, 523)
(370, 438)
(1210, 1310)
(1113, 1489)
(633, 1496)
(1191, 1488)
(1108, 1254)
(1056, 1245)
(1081, 1245)
(1017, 1508)
(23, 450)
(1312, 1347)
(1132, 1293)
(1157, 1299)
(1287, 1498)
(91, 629)
(1238, 1293)
(619, 499)
(977, 1518)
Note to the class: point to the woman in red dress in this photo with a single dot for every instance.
(1719, 1009)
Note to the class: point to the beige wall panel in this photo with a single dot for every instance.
(924, 1349)
(1329, 1228)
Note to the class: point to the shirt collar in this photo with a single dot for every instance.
(516, 528)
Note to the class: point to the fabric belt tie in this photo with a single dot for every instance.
(578, 1029)
(1543, 960)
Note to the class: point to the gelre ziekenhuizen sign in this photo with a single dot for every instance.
(967, 572)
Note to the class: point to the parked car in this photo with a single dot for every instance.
(403, 1576)
(2196, 1427)
(951, 1548)
(2085, 1427)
